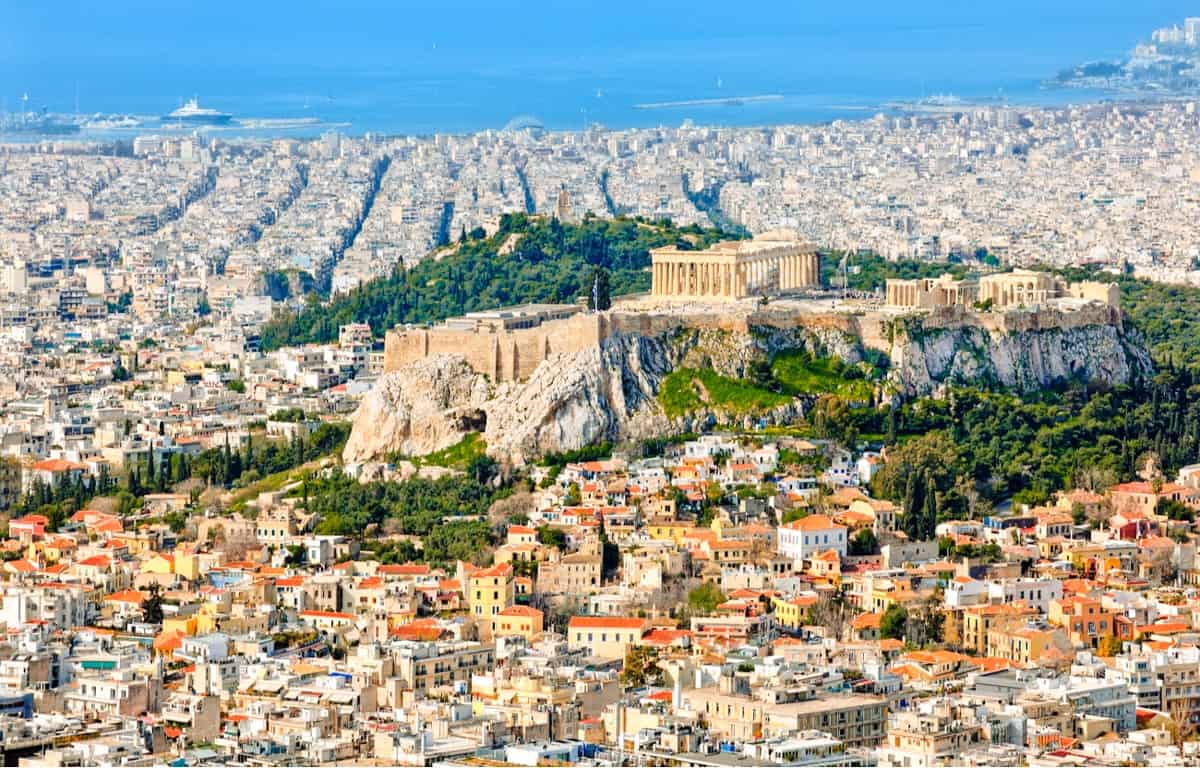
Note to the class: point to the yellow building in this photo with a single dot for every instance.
(182, 624)
(192, 565)
(1026, 645)
(489, 592)
(664, 531)
(518, 620)
(160, 564)
(605, 637)
(978, 621)
(792, 614)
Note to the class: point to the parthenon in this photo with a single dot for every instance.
(771, 263)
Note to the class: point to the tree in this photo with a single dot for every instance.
(641, 667)
(572, 497)
(864, 543)
(152, 611)
(1110, 646)
(296, 555)
(705, 598)
(833, 613)
(893, 623)
(552, 537)
(598, 295)
(926, 622)
(1174, 510)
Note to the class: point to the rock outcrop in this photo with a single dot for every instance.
(1022, 361)
(425, 407)
(609, 391)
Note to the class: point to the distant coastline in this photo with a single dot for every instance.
(730, 101)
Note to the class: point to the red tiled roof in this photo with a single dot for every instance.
(327, 615)
(521, 610)
(405, 569)
(813, 523)
(57, 465)
(606, 622)
(127, 596)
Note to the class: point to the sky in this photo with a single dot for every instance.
(510, 57)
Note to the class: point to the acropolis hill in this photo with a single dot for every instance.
(773, 280)
(541, 378)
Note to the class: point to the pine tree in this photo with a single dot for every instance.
(929, 518)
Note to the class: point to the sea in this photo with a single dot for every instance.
(459, 66)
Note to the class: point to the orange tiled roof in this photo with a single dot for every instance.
(606, 622)
(813, 523)
(58, 465)
(521, 610)
(128, 596)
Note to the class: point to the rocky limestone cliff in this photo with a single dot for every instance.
(609, 392)
(424, 408)
(924, 359)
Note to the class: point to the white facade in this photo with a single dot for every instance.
(809, 536)
(1035, 593)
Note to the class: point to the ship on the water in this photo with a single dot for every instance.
(192, 113)
(37, 125)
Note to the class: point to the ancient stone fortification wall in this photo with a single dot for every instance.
(503, 356)
(513, 355)
(1022, 320)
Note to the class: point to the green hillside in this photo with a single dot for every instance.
(527, 260)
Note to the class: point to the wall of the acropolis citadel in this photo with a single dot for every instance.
(502, 355)
(513, 355)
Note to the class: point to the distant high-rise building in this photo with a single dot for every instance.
(1191, 30)
(331, 143)
(15, 277)
(1172, 35)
